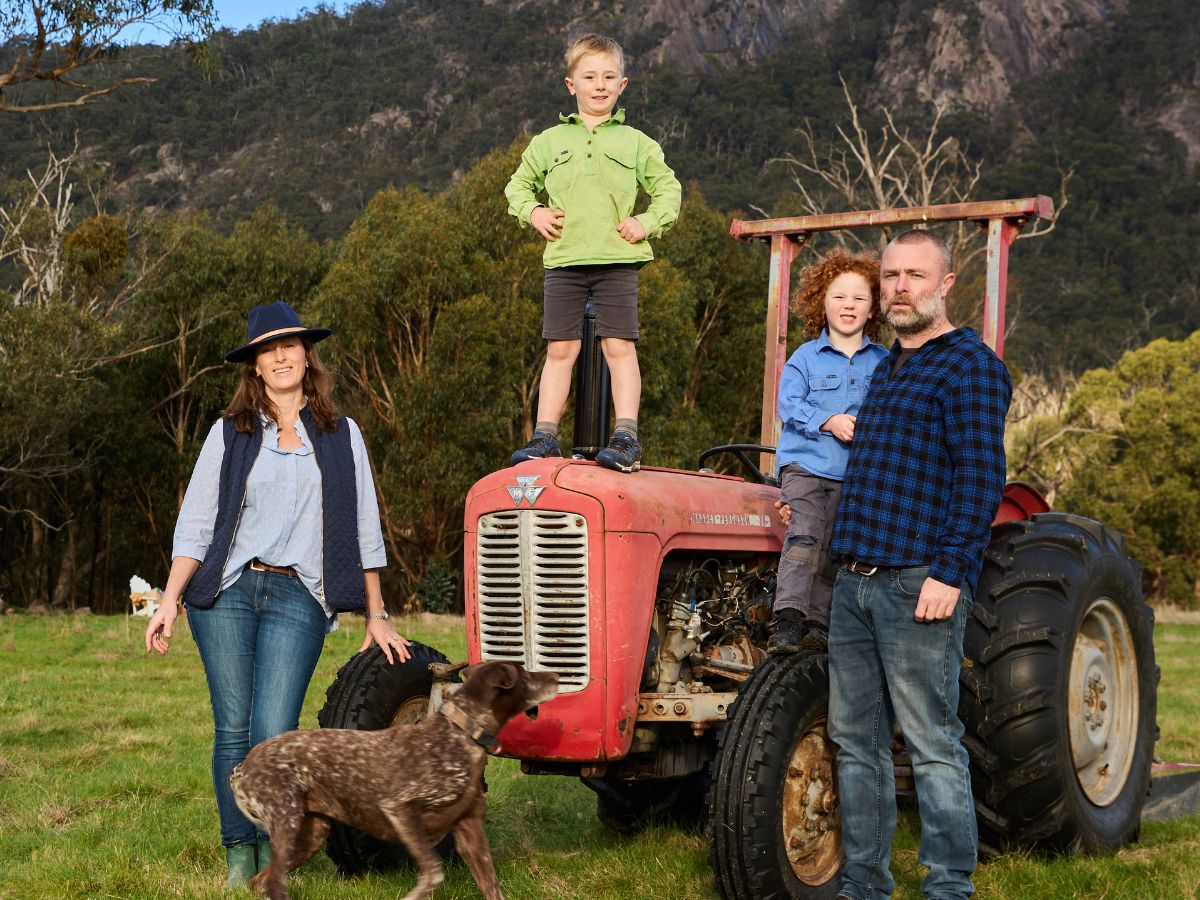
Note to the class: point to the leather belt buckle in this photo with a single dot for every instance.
(256, 566)
(860, 569)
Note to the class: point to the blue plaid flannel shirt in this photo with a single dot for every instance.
(926, 470)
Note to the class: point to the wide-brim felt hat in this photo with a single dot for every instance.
(270, 322)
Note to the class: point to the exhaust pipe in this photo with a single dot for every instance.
(593, 391)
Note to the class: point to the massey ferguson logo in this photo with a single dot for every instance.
(729, 519)
(525, 490)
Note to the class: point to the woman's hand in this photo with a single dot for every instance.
(160, 625)
(380, 631)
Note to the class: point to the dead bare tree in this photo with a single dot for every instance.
(1036, 426)
(897, 166)
(32, 229)
(892, 168)
(67, 44)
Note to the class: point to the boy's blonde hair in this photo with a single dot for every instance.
(593, 43)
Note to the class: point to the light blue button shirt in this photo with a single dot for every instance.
(281, 522)
(820, 381)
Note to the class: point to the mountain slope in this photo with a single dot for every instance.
(317, 114)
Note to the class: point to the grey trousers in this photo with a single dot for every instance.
(805, 579)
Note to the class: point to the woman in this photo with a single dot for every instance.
(279, 531)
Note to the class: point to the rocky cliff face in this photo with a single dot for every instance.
(960, 51)
(973, 53)
(1180, 116)
(695, 33)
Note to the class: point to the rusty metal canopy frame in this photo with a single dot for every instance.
(1003, 220)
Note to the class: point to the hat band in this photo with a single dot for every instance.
(278, 332)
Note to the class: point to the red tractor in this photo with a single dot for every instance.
(649, 595)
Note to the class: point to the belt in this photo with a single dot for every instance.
(862, 568)
(259, 566)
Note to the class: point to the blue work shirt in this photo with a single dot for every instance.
(281, 523)
(927, 467)
(820, 381)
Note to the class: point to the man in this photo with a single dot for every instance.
(924, 480)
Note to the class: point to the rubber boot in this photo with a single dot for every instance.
(264, 852)
(240, 860)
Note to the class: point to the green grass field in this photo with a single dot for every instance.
(105, 789)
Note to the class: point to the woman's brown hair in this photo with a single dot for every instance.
(809, 301)
(250, 399)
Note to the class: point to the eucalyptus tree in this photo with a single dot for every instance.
(73, 46)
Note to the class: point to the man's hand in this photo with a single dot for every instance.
(785, 512)
(937, 601)
(840, 426)
(547, 222)
(631, 229)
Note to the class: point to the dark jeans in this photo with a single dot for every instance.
(887, 668)
(259, 643)
(805, 579)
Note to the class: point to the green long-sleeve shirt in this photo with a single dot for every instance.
(593, 177)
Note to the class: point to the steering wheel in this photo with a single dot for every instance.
(753, 472)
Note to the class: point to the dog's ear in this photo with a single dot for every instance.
(503, 676)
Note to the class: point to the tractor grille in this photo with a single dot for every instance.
(532, 576)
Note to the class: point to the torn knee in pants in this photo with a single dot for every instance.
(804, 549)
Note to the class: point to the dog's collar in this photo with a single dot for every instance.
(476, 732)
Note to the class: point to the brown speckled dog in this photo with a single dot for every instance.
(408, 784)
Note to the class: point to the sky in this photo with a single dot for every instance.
(237, 15)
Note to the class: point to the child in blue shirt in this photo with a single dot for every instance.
(820, 392)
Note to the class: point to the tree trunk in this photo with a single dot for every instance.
(63, 596)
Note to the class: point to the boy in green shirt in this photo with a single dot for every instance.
(590, 167)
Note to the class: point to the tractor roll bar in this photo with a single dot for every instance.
(1003, 220)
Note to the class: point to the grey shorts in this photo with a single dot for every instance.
(613, 288)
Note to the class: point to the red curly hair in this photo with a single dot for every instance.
(809, 300)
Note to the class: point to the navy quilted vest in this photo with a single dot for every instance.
(341, 578)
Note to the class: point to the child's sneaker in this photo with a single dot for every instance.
(623, 453)
(540, 446)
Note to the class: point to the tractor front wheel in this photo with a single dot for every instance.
(369, 694)
(774, 818)
(628, 806)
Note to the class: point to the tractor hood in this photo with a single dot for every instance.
(679, 507)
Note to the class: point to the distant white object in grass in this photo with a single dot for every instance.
(145, 599)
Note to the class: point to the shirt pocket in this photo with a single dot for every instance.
(558, 173)
(856, 390)
(619, 170)
(825, 392)
(266, 485)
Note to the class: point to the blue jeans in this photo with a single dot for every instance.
(886, 668)
(259, 642)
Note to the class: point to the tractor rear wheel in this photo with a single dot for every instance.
(369, 694)
(1059, 688)
(774, 819)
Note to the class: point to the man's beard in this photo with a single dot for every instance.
(924, 311)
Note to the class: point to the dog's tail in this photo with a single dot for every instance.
(245, 800)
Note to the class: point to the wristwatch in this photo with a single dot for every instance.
(379, 615)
